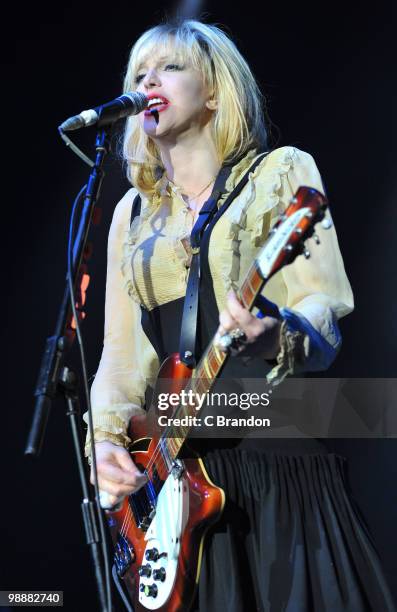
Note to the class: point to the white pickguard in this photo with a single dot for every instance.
(164, 534)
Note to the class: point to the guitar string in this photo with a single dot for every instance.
(124, 520)
(123, 529)
(152, 462)
(169, 428)
(253, 267)
(158, 449)
(130, 516)
(127, 519)
(163, 470)
(210, 353)
(161, 446)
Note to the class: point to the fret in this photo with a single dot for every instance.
(197, 385)
(174, 447)
(200, 385)
(251, 286)
(248, 292)
(245, 296)
(207, 367)
(255, 277)
(213, 359)
(206, 384)
(219, 355)
(177, 444)
(214, 362)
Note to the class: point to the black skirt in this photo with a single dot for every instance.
(290, 538)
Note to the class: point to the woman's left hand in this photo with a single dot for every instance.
(262, 336)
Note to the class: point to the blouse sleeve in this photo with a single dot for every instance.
(128, 358)
(318, 290)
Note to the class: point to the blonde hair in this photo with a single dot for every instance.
(238, 123)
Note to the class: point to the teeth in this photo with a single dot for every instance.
(156, 101)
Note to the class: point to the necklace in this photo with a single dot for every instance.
(193, 197)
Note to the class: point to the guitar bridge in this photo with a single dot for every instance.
(124, 555)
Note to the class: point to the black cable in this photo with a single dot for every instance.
(117, 582)
(75, 148)
(87, 394)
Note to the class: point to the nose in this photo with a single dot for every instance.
(151, 79)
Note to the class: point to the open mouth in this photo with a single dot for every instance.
(157, 104)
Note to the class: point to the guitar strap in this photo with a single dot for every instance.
(187, 345)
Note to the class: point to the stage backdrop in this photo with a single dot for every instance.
(326, 74)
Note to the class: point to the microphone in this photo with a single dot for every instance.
(128, 104)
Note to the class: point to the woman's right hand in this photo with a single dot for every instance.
(118, 475)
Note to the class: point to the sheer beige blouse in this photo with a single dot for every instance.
(148, 264)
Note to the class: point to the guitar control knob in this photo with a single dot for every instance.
(150, 590)
(326, 223)
(316, 239)
(145, 570)
(152, 554)
(159, 574)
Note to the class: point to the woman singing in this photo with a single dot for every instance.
(289, 538)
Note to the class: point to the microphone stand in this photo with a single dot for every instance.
(55, 378)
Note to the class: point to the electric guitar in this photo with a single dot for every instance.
(158, 533)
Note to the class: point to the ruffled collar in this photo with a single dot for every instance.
(236, 174)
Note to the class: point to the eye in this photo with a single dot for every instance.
(139, 78)
(173, 67)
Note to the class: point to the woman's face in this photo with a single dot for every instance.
(181, 103)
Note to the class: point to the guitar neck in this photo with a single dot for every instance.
(206, 372)
(285, 242)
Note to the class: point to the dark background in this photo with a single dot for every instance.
(327, 74)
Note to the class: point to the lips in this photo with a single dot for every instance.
(159, 104)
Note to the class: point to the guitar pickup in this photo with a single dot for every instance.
(143, 505)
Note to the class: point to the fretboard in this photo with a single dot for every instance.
(207, 371)
(285, 242)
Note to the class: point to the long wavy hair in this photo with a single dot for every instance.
(238, 122)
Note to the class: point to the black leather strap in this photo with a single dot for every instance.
(187, 345)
